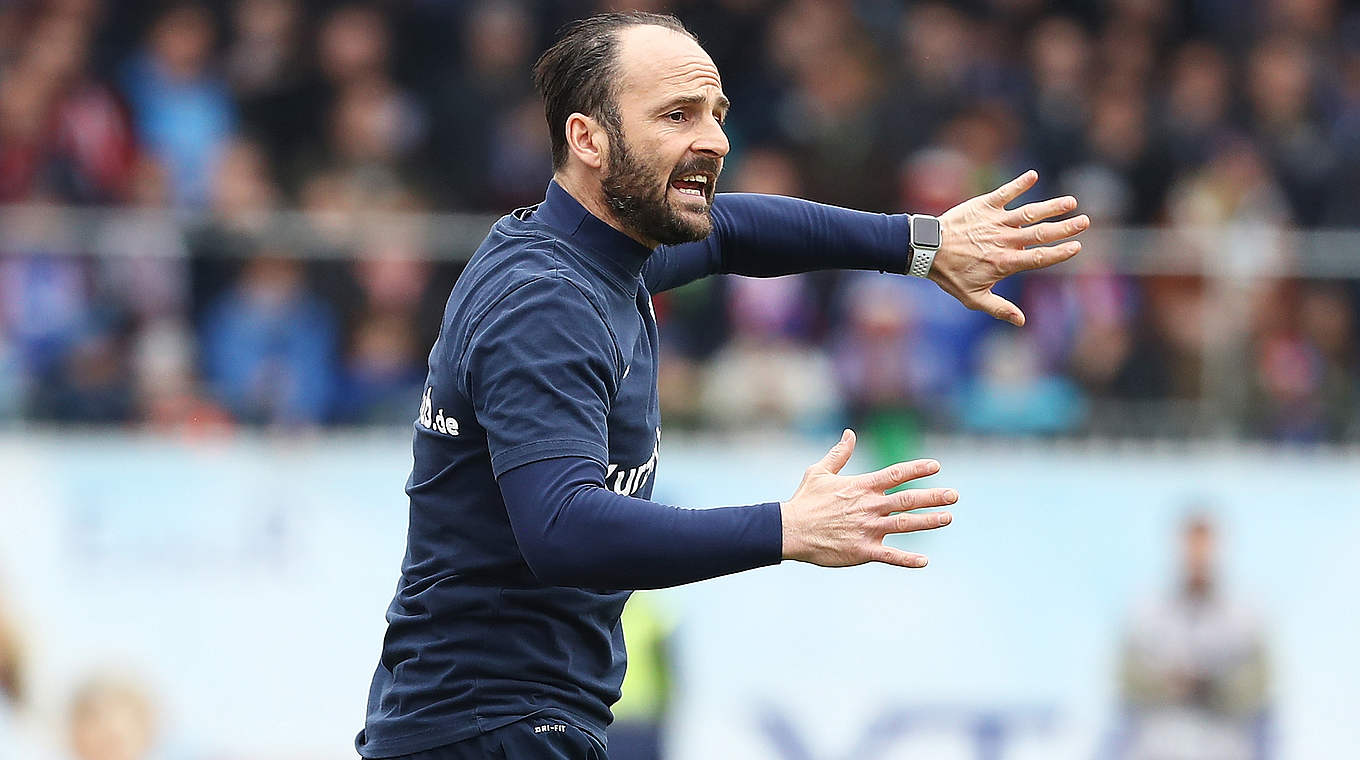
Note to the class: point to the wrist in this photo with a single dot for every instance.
(790, 545)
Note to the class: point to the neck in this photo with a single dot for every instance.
(588, 193)
(1198, 588)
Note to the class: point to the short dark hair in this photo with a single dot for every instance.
(579, 73)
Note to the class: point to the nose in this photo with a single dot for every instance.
(712, 140)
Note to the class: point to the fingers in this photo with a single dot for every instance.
(839, 454)
(1037, 212)
(1038, 258)
(890, 556)
(910, 522)
(998, 307)
(1012, 190)
(918, 498)
(896, 475)
(1049, 232)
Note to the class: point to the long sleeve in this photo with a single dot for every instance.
(572, 531)
(771, 235)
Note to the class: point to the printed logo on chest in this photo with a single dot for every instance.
(630, 481)
(437, 422)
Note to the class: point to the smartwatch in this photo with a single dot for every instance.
(925, 243)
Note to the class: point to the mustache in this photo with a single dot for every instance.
(703, 165)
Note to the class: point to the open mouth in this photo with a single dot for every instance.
(696, 184)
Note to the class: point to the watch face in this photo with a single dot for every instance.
(925, 231)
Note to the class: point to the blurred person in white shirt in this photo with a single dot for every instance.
(1195, 673)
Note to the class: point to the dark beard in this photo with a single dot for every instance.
(639, 198)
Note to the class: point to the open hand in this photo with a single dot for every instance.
(981, 243)
(838, 520)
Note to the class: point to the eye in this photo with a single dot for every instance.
(676, 116)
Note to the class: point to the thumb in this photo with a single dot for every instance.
(839, 454)
(1002, 309)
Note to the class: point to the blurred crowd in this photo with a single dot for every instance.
(1227, 130)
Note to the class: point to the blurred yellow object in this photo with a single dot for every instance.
(647, 630)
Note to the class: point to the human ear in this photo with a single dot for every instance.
(586, 139)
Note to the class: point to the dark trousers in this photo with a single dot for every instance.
(635, 740)
(528, 739)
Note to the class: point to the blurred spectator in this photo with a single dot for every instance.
(833, 113)
(370, 126)
(12, 675)
(353, 45)
(1178, 324)
(901, 346)
(144, 259)
(243, 192)
(184, 112)
(384, 373)
(489, 128)
(374, 127)
(1060, 69)
(933, 180)
(264, 54)
(987, 133)
(243, 198)
(519, 161)
(1280, 87)
(1010, 393)
(47, 309)
(1087, 325)
(938, 66)
(93, 383)
(1235, 185)
(20, 736)
(769, 374)
(11, 381)
(63, 136)
(112, 718)
(1195, 675)
(268, 73)
(1195, 110)
(1118, 138)
(1301, 387)
(167, 393)
(269, 346)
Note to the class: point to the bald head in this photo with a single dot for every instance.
(581, 72)
(652, 56)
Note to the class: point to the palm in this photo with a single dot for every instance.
(982, 242)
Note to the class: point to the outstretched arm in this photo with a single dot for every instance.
(981, 242)
(573, 531)
(771, 235)
(541, 370)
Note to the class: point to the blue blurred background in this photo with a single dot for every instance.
(227, 230)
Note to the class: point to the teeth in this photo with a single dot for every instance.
(695, 178)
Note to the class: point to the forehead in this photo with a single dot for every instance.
(658, 63)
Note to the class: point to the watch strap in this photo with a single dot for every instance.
(921, 260)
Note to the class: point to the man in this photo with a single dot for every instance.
(538, 433)
(1195, 676)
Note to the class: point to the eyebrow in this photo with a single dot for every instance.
(694, 100)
